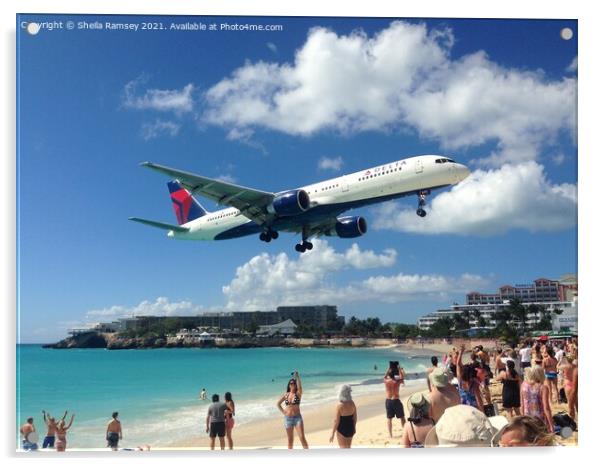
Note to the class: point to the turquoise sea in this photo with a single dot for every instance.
(156, 391)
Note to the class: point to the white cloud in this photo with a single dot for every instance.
(573, 66)
(227, 178)
(266, 281)
(163, 100)
(401, 77)
(158, 128)
(160, 307)
(491, 203)
(334, 163)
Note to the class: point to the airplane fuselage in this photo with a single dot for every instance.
(332, 197)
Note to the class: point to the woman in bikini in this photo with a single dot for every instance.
(419, 422)
(345, 418)
(468, 385)
(292, 411)
(535, 396)
(229, 418)
(569, 374)
(61, 434)
(550, 368)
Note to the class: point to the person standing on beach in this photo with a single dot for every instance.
(292, 410)
(434, 362)
(28, 431)
(216, 421)
(468, 385)
(203, 394)
(61, 433)
(113, 434)
(393, 406)
(550, 368)
(345, 418)
(534, 396)
(443, 395)
(229, 418)
(51, 429)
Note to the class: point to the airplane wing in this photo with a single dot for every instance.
(252, 203)
(315, 229)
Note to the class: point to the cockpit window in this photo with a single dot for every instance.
(445, 161)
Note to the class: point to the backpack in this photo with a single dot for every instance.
(562, 419)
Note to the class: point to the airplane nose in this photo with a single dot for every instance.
(462, 172)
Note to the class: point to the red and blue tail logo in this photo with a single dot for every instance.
(185, 206)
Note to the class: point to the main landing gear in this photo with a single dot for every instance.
(422, 202)
(268, 235)
(304, 245)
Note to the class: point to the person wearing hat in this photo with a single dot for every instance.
(464, 426)
(443, 395)
(419, 422)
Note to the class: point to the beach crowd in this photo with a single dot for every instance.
(456, 409)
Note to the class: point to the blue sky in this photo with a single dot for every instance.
(263, 109)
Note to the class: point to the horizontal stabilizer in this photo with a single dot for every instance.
(163, 226)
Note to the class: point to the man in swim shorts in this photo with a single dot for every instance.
(216, 421)
(114, 432)
(27, 430)
(393, 405)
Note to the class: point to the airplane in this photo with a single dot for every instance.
(311, 210)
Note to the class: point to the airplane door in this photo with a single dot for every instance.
(419, 166)
(344, 185)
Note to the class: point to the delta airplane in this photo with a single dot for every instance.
(311, 210)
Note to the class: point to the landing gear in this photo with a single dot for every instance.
(422, 202)
(268, 235)
(304, 245)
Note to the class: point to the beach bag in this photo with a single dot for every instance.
(562, 419)
(489, 410)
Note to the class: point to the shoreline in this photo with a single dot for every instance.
(269, 433)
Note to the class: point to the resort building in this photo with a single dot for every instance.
(559, 297)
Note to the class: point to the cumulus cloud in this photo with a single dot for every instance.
(327, 163)
(269, 280)
(160, 307)
(159, 128)
(402, 77)
(162, 100)
(490, 203)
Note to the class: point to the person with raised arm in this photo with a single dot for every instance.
(292, 410)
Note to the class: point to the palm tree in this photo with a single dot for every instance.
(519, 312)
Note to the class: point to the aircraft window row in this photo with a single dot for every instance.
(379, 174)
(222, 216)
(329, 187)
(445, 161)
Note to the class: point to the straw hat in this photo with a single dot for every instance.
(464, 426)
(417, 402)
(439, 378)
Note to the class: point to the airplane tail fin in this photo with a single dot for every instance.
(186, 207)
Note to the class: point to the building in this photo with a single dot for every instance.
(285, 328)
(542, 290)
(322, 317)
(567, 321)
(552, 295)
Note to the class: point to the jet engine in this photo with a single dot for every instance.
(349, 227)
(288, 203)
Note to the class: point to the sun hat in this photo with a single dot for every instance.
(418, 404)
(464, 426)
(439, 377)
